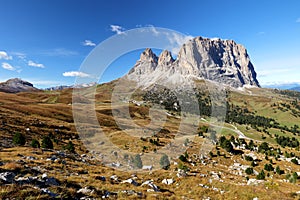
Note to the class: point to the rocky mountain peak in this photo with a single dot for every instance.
(221, 61)
(17, 81)
(16, 85)
(165, 58)
(148, 56)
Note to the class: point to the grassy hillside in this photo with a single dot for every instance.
(268, 117)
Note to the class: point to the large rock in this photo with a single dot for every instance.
(221, 61)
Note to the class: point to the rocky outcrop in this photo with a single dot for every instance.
(221, 61)
(16, 85)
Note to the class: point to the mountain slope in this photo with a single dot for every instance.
(222, 61)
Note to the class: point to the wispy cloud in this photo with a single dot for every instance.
(117, 29)
(7, 66)
(264, 73)
(261, 33)
(153, 29)
(60, 52)
(298, 20)
(274, 68)
(20, 55)
(177, 40)
(46, 83)
(5, 56)
(289, 84)
(34, 64)
(88, 43)
(75, 74)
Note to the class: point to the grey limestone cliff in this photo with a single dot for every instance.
(221, 61)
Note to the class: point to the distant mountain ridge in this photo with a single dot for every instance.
(296, 88)
(221, 61)
(62, 87)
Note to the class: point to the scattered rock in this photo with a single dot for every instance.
(114, 177)
(53, 159)
(85, 191)
(253, 181)
(168, 181)
(152, 185)
(51, 181)
(101, 178)
(181, 173)
(130, 181)
(7, 177)
(147, 167)
(46, 191)
(44, 176)
(26, 180)
(107, 194)
(30, 158)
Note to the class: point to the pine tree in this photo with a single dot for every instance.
(70, 147)
(164, 162)
(261, 175)
(19, 139)
(47, 143)
(137, 161)
(35, 143)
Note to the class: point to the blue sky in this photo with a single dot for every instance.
(46, 41)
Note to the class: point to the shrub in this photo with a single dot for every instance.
(227, 146)
(292, 177)
(47, 143)
(249, 171)
(19, 139)
(295, 161)
(269, 167)
(261, 175)
(35, 143)
(279, 171)
(248, 158)
(183, 167)
(70, 147)
(164, 162)
(182, 158)
(263, 147)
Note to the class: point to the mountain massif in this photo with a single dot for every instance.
(221, 61)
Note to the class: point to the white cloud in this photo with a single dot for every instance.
(7, 66)
(75, 74)
(117, 29)
(34, 64)
(298, 20)
(5, 56)
(88, 43)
